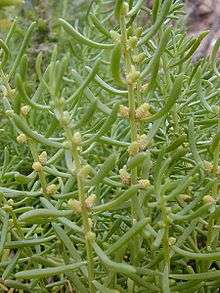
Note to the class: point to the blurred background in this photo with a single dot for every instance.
(199, 15)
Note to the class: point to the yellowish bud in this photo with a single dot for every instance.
(125, 176)
(142, 112)
(75, 205)
(22, 138)
(124, 111)
(143, 141)
(133, 75)
(132, 42)
(65, 120)
(172, 241)
(25, 110)
(77, 138)
(134, 148)
(37, 167)
(208, 166)
(144, 183)
(90, 236)
(51, 189)
(208, 199)
(85, 171)
(90, 201)
(43, 158)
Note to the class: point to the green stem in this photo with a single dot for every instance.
(211, 222)
(131, 102)
(85, 214)
(166, 248)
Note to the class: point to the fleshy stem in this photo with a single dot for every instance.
(210, 237)
(131, 103)
(166, 249)
(74, 148)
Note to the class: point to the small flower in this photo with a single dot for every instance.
(25, 110)
(144, 183)
(124, 111)
(90, 236)
(133, 75)
(208, 166)
(7, 208)
(90, 201)
(143, 142)
(43, 158)
(132, 42)
(37, 167)
(65, 119)
(208, 199)
(75, 205)
(51, 189)
(77, 138)
(125, 176)
(172, 241)
(134, 148)
(85, 171)
(142, 112)
(22, 138)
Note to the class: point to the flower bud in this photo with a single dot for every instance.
(90, 236)
(84, 171)
(208, 166)
(142, 112)
(7, 208)
(132, 42)
(22, 138)
(133, 75)
(134, 148)
(43, 158)
(90, 201)
(65, 120)
(125, 176)
(172, 241)
(75, 205)
(25, 110)
(143, 142)
(208, 199)
(51, 189)
(144, 183)
(77, 138)
(37, 167)
(124, 111)
(10, 202)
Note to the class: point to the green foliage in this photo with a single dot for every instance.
(109, 174)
